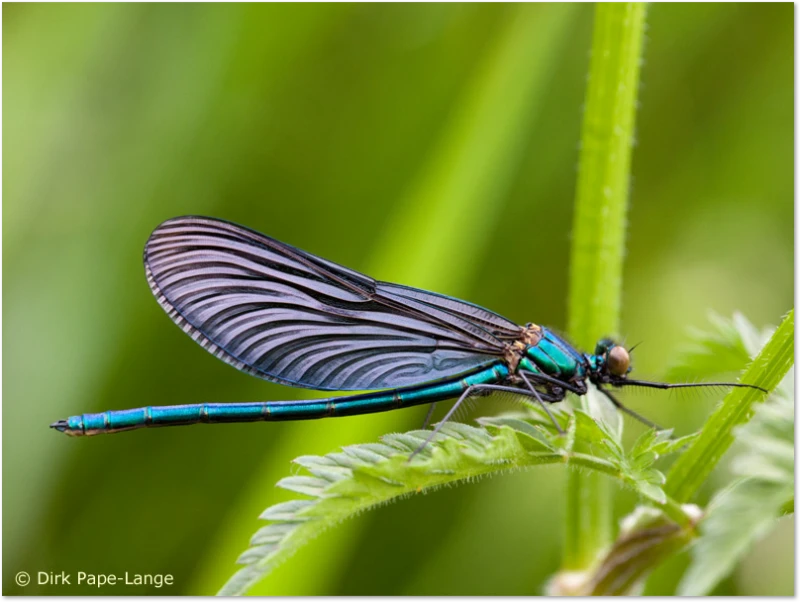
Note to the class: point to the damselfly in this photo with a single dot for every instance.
(287, 316)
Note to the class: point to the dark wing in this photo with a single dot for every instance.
(287, 316)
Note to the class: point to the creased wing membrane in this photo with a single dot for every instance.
(285, 315)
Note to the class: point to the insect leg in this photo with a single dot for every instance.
(471, 390)
(439, 426)
(549, 380)
(628, 411)
(541, 402)
(428, 416)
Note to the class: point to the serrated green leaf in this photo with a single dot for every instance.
(314, 461)
(670, 446)
(603, 411)
(272, 533)
(644, 460)
(588, 429)
(652, 476)
(739, 516)
(536, 438)
(724, 347)
(652, 492)
(645, 441)
(255, 552)
(363, 455)
(286, 511)
(307, 485)
(613, 448)
(404, 441)
(596, 434)
(364, 476)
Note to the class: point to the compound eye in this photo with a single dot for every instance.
(619, 361)
(603, 345)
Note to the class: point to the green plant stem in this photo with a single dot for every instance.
(673, 510)
(692, 468)
(599, 237)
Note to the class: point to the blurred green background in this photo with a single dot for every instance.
(435, 145)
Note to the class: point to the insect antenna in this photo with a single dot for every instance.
(655, 385)
(630, 351)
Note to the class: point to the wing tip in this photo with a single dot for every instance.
(165, 226)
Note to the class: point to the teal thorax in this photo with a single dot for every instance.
(550, 355)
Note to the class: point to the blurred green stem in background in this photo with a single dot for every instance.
(436, 234)
(692, 468)
(598, 240)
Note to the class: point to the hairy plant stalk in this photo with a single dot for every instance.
(599, 237)
(692, 468)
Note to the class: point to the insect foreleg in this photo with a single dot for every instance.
(628, 411)
(577, 388)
